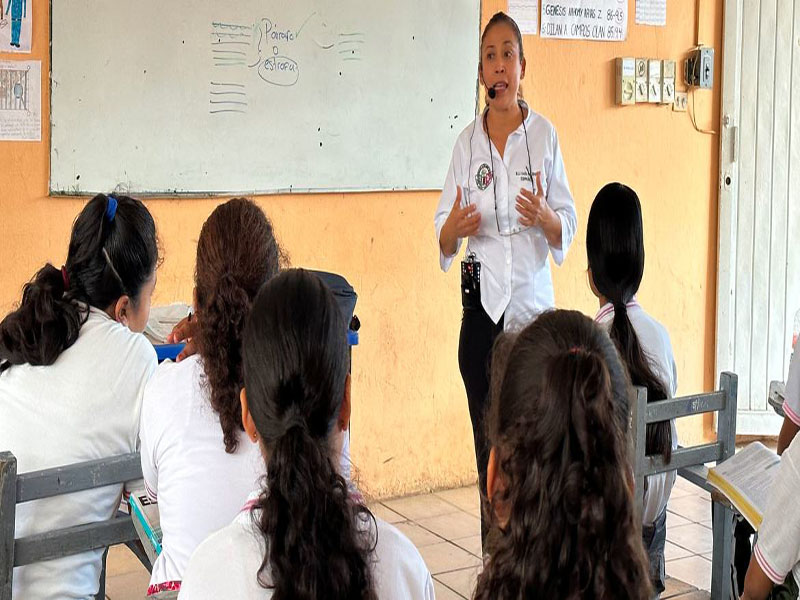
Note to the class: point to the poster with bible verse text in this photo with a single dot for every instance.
(597, 20)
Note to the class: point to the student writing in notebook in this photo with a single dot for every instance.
(301, 535)
(559, 479)
(73, 367)
(196, 458)
(615, 249)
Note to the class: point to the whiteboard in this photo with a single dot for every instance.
(192, 96)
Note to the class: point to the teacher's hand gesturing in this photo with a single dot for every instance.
(460, 223)
(536, 212)
(533, 208)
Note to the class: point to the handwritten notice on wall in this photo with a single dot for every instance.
(601, 20)
(21, 100)
(526, 14)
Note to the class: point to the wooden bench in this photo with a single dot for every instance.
(690, 461)
(16, 488)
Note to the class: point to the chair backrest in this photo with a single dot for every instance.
(690, 461)
(16, 488)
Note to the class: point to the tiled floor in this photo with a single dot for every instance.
(445, 526)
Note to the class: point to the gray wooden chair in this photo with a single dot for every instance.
(16, 488)
(690, 461)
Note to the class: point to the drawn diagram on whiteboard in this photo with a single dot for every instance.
(268, 48)
(13, 89)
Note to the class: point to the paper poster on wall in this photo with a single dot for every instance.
(600, 20)
(15, 25)
(21, 100)
(526, 14)
(651, 12)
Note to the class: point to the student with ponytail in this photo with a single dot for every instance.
(558, 478)
(301, 536)
(73, 368)
(195, 456)
(615, 248)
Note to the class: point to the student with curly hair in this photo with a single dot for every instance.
(559, 481)
(195, 456)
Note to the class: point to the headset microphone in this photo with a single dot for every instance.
(491, 92)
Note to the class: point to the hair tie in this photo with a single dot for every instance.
(111, 208)
(65, 278)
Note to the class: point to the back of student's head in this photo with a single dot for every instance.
(236, 253)
(615, 249)
(113, 252)
(557, 426)
(296, 364)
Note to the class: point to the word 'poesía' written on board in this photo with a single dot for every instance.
(601, 20)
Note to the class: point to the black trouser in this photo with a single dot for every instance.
(478, 333)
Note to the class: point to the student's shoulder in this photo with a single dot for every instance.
(112, 340)
(397, 556)
(173, 384)
(230, 557)
(655, 331)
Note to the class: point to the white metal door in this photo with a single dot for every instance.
(758, 288)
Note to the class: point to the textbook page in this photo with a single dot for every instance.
(746, 478)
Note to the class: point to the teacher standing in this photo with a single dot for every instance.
(507, 193)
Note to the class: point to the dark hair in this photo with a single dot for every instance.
(107, 258)
(501, 17)
(615, 249)
(557, 422)
(236, 253)
(296, 364)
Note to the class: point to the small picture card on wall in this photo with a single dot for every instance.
(526, 14)
(16, 30)
(21, 100)
(651, 12)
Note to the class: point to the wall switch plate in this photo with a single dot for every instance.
(654, 81)
(668, 82)
(681, 102)
(626, 81)
(641, 80)
(699, 68)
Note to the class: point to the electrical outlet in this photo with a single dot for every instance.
(681, 102)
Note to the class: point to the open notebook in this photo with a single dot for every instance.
(746, 478)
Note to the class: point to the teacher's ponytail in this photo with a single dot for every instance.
(318, 541)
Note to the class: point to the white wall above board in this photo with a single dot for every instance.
(189, 96)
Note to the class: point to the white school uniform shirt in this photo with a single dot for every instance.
(791, 393)
(199, 487)
(515, 272)
(655, 342)
(226, 565)
(777, 548)
(83, 407)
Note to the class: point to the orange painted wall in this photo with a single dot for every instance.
(410, 427)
